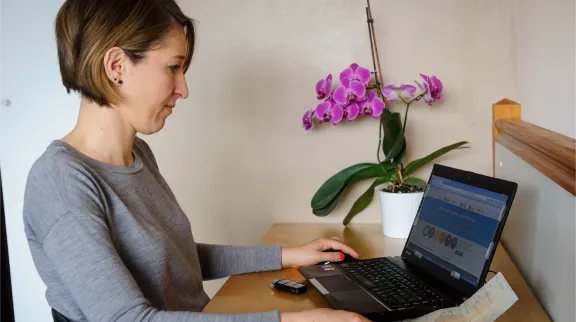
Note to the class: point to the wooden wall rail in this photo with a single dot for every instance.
(551, 153)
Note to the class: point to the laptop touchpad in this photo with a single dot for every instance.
(350, 296)
(338, 283)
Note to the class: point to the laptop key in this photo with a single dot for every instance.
(364, 281)
(399, 299)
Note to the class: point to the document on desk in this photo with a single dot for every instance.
(486, 305)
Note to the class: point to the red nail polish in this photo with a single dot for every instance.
(341, 256)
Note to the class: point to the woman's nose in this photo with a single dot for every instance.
(182, 87)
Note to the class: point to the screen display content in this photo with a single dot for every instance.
(455, 227)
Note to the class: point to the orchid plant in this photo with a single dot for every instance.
(355, 98)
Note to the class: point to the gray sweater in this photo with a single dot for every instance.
(111, 243)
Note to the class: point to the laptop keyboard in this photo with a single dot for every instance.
(392, 285)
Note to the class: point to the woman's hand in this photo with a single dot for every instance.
(312, 252)
(322, 315)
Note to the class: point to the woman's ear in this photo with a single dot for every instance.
(115, 64)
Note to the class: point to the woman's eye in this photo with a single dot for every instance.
(175, 68)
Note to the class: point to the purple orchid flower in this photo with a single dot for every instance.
(324, 87)
(422, 88)
(393, 93)
(328, 111)
(390, 93)
(307, 121)
(433, 87)
(356, 73)
(407, 91)
(350, 90)
(351, 111)
(373, 105)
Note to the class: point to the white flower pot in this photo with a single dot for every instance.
(398, 212)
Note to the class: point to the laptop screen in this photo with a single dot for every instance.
(455, 227)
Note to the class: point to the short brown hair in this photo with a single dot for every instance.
(86, 29)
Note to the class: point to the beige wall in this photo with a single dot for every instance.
(546, 64)
(235, 153)
(539, 234)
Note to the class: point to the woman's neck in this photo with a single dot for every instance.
(101, 133)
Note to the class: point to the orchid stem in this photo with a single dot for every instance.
(377, 77)
(417, 98)
(399, 172)
(379, 140)
(406, 116)
(403, 129)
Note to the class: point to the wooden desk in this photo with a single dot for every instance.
(252, 293)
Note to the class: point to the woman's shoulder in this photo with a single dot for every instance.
(58, 161)
(59, 183)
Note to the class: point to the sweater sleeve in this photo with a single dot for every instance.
(81, 250)
(219, 261)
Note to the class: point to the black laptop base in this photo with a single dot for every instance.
(345, 289)
(394, 287)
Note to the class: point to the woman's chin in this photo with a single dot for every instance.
(152, 128)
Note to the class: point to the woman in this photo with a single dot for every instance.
(106, 233)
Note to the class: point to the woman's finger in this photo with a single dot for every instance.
(336, 238)
(328, 243)
(331, 256)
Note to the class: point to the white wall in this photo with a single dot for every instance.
(546, 64)
(235, 153)
(40, 111)
(539, 234)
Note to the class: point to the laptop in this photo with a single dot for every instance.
(445, 259)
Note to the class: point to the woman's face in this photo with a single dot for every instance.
(151, 87)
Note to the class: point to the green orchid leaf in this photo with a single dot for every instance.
(323, 212)
(330, 189)
(417, 164)
(326, 197)
(399, 158)
(415, 182)
(393, 137)
(364, 200)
(374, 171)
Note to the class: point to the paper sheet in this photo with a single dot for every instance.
(486, 305)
